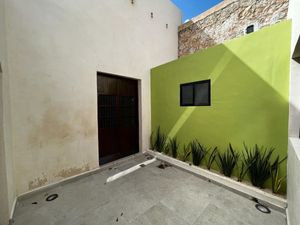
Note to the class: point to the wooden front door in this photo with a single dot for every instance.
(118, 121)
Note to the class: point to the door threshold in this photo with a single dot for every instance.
(122, 159)
(114, 157)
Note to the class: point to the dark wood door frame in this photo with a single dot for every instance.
(119, 135)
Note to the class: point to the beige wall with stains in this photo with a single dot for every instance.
(55, 49)
(7, 185)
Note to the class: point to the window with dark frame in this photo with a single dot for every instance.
(250, 29)
(195, 94)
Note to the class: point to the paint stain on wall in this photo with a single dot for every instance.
(38, 182)
(56, 128)
(72, 171)
(50, 129)
(87, 126)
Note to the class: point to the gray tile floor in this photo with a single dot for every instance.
(145, 197)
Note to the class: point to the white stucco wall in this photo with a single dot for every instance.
(55, 49)
(7, 186)
(293, 183)
(294, 127)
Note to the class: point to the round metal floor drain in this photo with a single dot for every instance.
(50, 198)
(262, 208)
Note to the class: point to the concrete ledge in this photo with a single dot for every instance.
(273, 201)
(12, 212)
(293, 216)
(287, 217)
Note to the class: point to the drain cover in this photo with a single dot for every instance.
(262, 208)
(52, 197)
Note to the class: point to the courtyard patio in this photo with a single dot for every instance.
(143, 112)
(149, 195)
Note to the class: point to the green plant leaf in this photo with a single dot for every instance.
(160, 141)
(173, 147)
(198, 152)
(258, 163)
(212, 157)
(276, 180)
(227, 161)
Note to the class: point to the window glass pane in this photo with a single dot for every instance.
(250, 29)
(187, 94)
(202, 95)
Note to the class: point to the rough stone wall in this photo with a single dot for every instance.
(229, 20)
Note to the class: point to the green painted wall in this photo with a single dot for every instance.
(250, 92)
